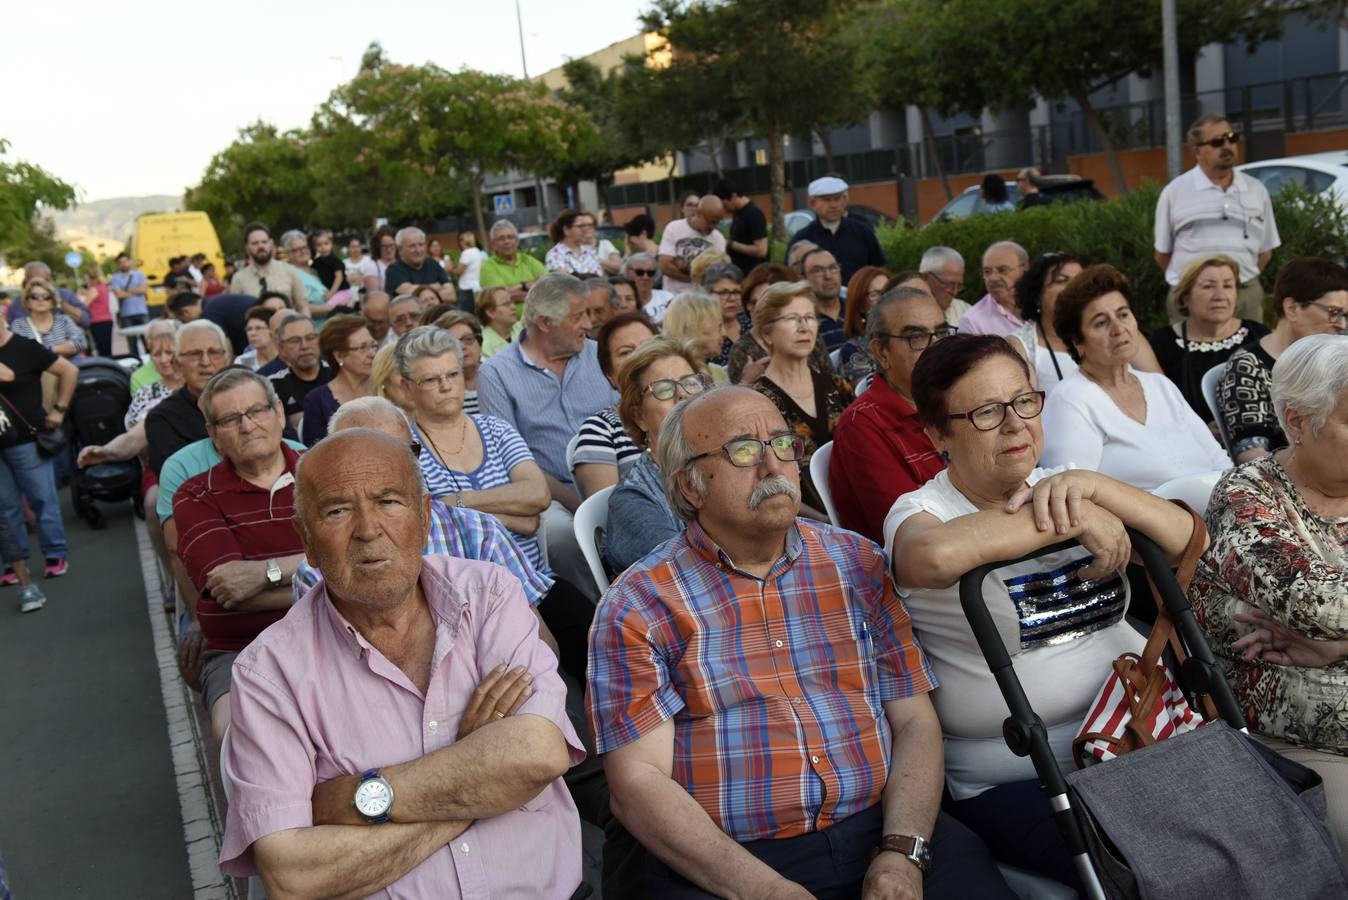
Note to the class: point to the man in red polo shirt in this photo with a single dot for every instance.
(880, 451)
(235, 535)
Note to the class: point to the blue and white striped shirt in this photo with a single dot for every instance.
(502, 450)
(545, 411)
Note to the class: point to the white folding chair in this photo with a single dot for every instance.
(819, 475)
(590, 520)
(1211, 378)
(1195, 490)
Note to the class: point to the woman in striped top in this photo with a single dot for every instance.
(468, 460)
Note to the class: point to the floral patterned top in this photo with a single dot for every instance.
(831, 396)
(144, 400)
(584, 261)
(1269, 549)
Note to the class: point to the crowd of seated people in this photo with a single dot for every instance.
(757, 676)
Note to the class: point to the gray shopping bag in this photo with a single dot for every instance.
(1210, 813)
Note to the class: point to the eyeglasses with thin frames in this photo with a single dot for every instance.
(990, 416)
(195, 356)
(253, 414)
(921, 340)
(820, 271)
(666, 388)
(436, 382)
(798, 321)
(300, 339)
(746, 452)
(1337, 314)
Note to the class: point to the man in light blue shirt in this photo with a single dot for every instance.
(128, 285)
(546, 384)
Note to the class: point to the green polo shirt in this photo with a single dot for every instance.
(498, 272)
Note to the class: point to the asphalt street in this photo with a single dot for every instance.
(90, 805)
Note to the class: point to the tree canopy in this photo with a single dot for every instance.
(25, 190)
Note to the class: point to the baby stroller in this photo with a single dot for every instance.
(1207, 813)
(97, 415)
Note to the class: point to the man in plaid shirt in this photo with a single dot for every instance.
(757, 693)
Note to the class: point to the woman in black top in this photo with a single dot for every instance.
(1209, 332)
(23, 471)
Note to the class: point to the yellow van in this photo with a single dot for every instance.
(161, 236)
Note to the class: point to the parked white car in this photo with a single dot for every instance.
(1314, 173)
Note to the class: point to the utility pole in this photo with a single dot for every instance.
(524, 69)
(1174, 141)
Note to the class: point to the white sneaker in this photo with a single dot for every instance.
(31, 599)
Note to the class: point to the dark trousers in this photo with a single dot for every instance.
(102, 332)
(568, 614)
(832, 864)
(1016, 822)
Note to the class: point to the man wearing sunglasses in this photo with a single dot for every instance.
(754, 686)
(1212, 209)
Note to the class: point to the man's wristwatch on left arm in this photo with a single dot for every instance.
(273, 573)
(60, 407)
(374, 797)
(913, 847)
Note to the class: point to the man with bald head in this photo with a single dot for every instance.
(362, 754)
(756, 692)
(375, 310)
(684, 239)
(997, 313)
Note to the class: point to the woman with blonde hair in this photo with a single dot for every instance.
(45, 323)
(384, 378)
(657, 375)
(500, 321)
(811, 402)
(696, 317)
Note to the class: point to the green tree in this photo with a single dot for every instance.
(25, 189)
(775, 63)
(40, 242)
(264, 175)
(463, 124)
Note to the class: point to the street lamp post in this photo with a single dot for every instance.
(1170, 48)
(524, 69)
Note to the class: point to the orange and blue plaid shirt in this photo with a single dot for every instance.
(775, 685)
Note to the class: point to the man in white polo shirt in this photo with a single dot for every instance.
(1214, 209)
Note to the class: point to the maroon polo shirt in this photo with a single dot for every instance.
(879, 453)
(221, 518)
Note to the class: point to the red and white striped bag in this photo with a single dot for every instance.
(1140, 702)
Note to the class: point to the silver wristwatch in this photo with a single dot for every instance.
(273, 573)
(912, 846)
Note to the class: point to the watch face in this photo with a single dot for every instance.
(373, 798)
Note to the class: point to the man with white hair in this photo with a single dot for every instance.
(404, 314)
(546, 384)
(507, 267)
(943, 270)
(850, 239)
(757, 694)
(414, 268)
(1003, 264)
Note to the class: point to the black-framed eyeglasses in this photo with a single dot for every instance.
(921, 340)
(300, 339)
(666, 388)
(253, 414)
(950, 287)
(991, 415)
(749, 452)
(1220, 141)
(728, 293)
(821, 271)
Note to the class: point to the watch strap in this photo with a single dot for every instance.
(911, 846)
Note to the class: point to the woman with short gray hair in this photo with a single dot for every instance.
(468, 460)
(1272, 590)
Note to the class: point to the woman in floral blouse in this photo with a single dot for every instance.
(572, 251)
(1272, 590)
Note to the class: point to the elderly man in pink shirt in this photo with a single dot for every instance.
(1003, 264)
(401, 732)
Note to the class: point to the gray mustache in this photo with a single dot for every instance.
(771, 487)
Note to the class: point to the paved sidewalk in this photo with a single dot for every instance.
(90, 803)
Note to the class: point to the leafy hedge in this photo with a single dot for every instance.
(1118, 232)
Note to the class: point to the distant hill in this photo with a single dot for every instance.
(111, 219)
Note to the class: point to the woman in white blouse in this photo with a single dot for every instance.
(1109, 416)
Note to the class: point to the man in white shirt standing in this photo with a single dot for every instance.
(1214, 209)
(684, 239)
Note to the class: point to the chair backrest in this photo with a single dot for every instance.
(590, 520)
(1194, 490)
(1211, 378)
(864, 384)
(819, 475)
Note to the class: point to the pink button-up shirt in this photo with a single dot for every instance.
(987, 316)
(312, 700)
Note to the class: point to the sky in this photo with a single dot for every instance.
(134, 98)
